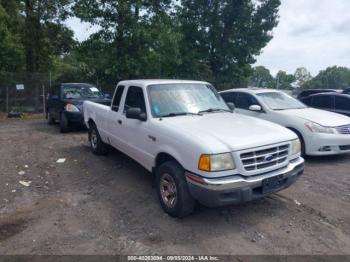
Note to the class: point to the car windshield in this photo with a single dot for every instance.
(81, 91)
(182, 99)
(280, 101)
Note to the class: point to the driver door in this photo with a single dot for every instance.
(135, 132)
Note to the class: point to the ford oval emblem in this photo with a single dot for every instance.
(269, 158)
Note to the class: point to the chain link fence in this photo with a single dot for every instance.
(23, 92)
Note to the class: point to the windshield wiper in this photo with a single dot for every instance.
(210, 110)
(180, 114)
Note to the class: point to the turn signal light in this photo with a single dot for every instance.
(204, 163)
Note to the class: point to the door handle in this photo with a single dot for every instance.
(120, 122)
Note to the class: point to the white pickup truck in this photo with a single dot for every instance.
(196, 147)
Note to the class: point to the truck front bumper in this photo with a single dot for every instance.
(237, 189)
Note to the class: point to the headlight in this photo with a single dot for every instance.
(71, 108)
(296, 147)
(214, 163)
(316, 128)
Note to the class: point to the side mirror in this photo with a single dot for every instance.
(136, 113)
(108, 96)
(255, 108)
(231, 106)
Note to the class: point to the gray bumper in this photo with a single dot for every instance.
(237, 189)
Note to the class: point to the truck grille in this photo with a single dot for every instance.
(345, 130)
(265, 158)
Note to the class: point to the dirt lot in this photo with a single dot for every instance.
(106, 205)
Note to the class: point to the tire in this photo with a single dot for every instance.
(64, 124)
(98, 147)
(172, 190)
(50, 119)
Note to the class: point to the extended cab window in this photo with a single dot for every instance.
(117, 98)
(135, 98)
(322, 102)
(244, 101)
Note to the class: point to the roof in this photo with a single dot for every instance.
(147, 82)
(252, 90)
(330, 94)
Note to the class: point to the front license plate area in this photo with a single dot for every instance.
(272, 183)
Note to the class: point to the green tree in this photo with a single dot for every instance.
(284, 80)
(45, 36)
(11, 49)
(137, 39)
(333, 77)
(226, 35)
(302, 75)
(261, 77)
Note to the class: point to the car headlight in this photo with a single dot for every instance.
(296, 147)
(71, 108)
(214, 163)
(316, 128)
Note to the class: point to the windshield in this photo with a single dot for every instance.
(78, 92)
(280, 101)
(176, 99)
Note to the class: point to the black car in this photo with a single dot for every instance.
(335, 102)
(65, 103)
(306, 93)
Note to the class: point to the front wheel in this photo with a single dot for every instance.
(98, 147)
(50, 119)
(64, 124)
(172, 189)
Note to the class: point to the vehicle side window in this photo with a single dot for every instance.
(117, 98)
(307, 101)
(322, 101)
(135, 98)
(229, 97)
(342, 103)
(244, 101)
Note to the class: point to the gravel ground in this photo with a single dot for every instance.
(106, 205)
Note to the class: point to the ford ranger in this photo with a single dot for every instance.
(194, 144)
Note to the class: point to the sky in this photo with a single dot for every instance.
(311, 33)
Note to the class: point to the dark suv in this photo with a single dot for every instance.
(309, 92)
(65, 102)
(335, 102)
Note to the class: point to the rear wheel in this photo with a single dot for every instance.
(64, 124)
(50, 119)
(98, 147)
(172, 189)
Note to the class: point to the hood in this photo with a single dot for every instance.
(321, 117)
(233, 131)
(79, 102)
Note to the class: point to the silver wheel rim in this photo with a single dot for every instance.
(93, 139)
(168, 190)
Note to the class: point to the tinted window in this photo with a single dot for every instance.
(342, 103)
(244, 101)
(229, 97)
(135, 98)
(307, 100)
(322, 101)
(117, 98)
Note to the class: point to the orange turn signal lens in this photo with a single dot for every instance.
(204, 163)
